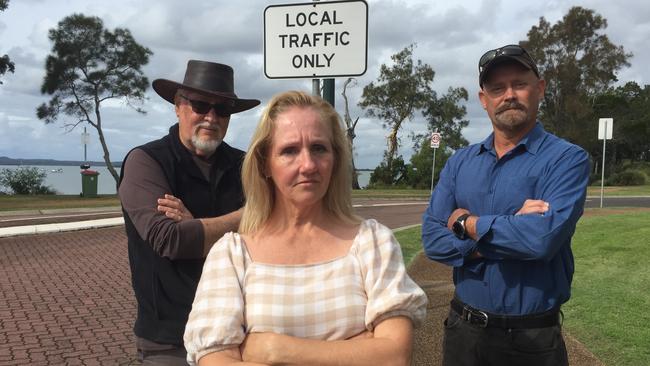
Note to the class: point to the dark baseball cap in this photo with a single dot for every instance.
(511, 52)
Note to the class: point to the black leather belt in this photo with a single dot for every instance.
(487, 320)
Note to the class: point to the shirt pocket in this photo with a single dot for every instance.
(515, 191)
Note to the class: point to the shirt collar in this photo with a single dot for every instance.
(531, 141)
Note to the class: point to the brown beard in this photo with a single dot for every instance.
(510, 124)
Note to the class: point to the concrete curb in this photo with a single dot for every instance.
(54, 211)
(56, 228)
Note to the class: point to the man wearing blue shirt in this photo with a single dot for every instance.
(502, 215)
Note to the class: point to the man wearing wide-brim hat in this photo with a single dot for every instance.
(180, 194)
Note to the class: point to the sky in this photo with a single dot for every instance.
(450, 37)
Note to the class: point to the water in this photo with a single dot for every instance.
(363, 178)
(67, 179)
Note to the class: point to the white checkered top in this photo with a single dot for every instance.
(330, 300)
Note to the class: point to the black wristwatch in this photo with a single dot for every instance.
(458, 227)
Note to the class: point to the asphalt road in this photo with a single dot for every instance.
(392, 209)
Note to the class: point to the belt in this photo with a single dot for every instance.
(484, 319)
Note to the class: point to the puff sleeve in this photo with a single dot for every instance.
(216, 321)
(390, 290)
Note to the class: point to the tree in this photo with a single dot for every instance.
(399, 91)
(577, 61)
(89, 65)
(349, 128)
(629, 106)
(5, 62)
(419, 174)
(25, 180)
(445, 115)
(386, 176)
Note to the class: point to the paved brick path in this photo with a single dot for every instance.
(65, 299)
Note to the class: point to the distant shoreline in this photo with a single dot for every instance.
(49, 162)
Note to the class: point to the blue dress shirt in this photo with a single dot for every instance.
(527, 263)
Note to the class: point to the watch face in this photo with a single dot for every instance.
(459, 229)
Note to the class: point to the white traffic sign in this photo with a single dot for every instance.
(315, 40)
(435, 140)
(605, 128)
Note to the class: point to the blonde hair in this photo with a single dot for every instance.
(259, 191)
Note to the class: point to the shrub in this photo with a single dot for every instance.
(626, 178)
(25, 180)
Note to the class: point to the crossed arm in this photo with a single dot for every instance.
(389, 344)
(175, 234)
(213, 227)
(530, 207)
(535, 232)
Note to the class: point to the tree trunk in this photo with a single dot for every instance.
(392, 147)
(350, 126)
(107, 155)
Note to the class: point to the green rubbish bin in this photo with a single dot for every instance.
(89, 180)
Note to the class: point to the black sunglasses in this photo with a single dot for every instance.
(201, 107)
(509, 50)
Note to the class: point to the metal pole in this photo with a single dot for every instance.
(602, 169)
(315, 83)
(433, 168)
(328, 91)
(85, 149)
(315, 87)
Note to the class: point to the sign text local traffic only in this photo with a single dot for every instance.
(314, 40)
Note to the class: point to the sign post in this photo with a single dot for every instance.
(605, 128)
(435, 144)
(85, 138)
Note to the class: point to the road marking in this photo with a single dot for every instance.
(41, 217)
(392, 204)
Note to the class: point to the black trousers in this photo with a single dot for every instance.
(466, 344)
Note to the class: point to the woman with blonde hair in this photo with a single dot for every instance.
(305, 281)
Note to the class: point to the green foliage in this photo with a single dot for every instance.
(6, 65)
(386, 175)
(577, 61)
(419, 173)
(25, 180)
(626, 178)
(629, 106)
(445, 115)
(415, 175)
(399, 91)
(89, 65)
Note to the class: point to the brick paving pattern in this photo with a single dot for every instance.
(66, 299)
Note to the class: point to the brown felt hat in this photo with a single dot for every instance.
(208, 78)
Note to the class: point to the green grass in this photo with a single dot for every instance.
(411, 242)
(609, 309)
(11, 202)
(391, 193)
(43, 202)
(620, 191)
(610, 302)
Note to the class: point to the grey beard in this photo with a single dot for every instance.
(206, 146)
